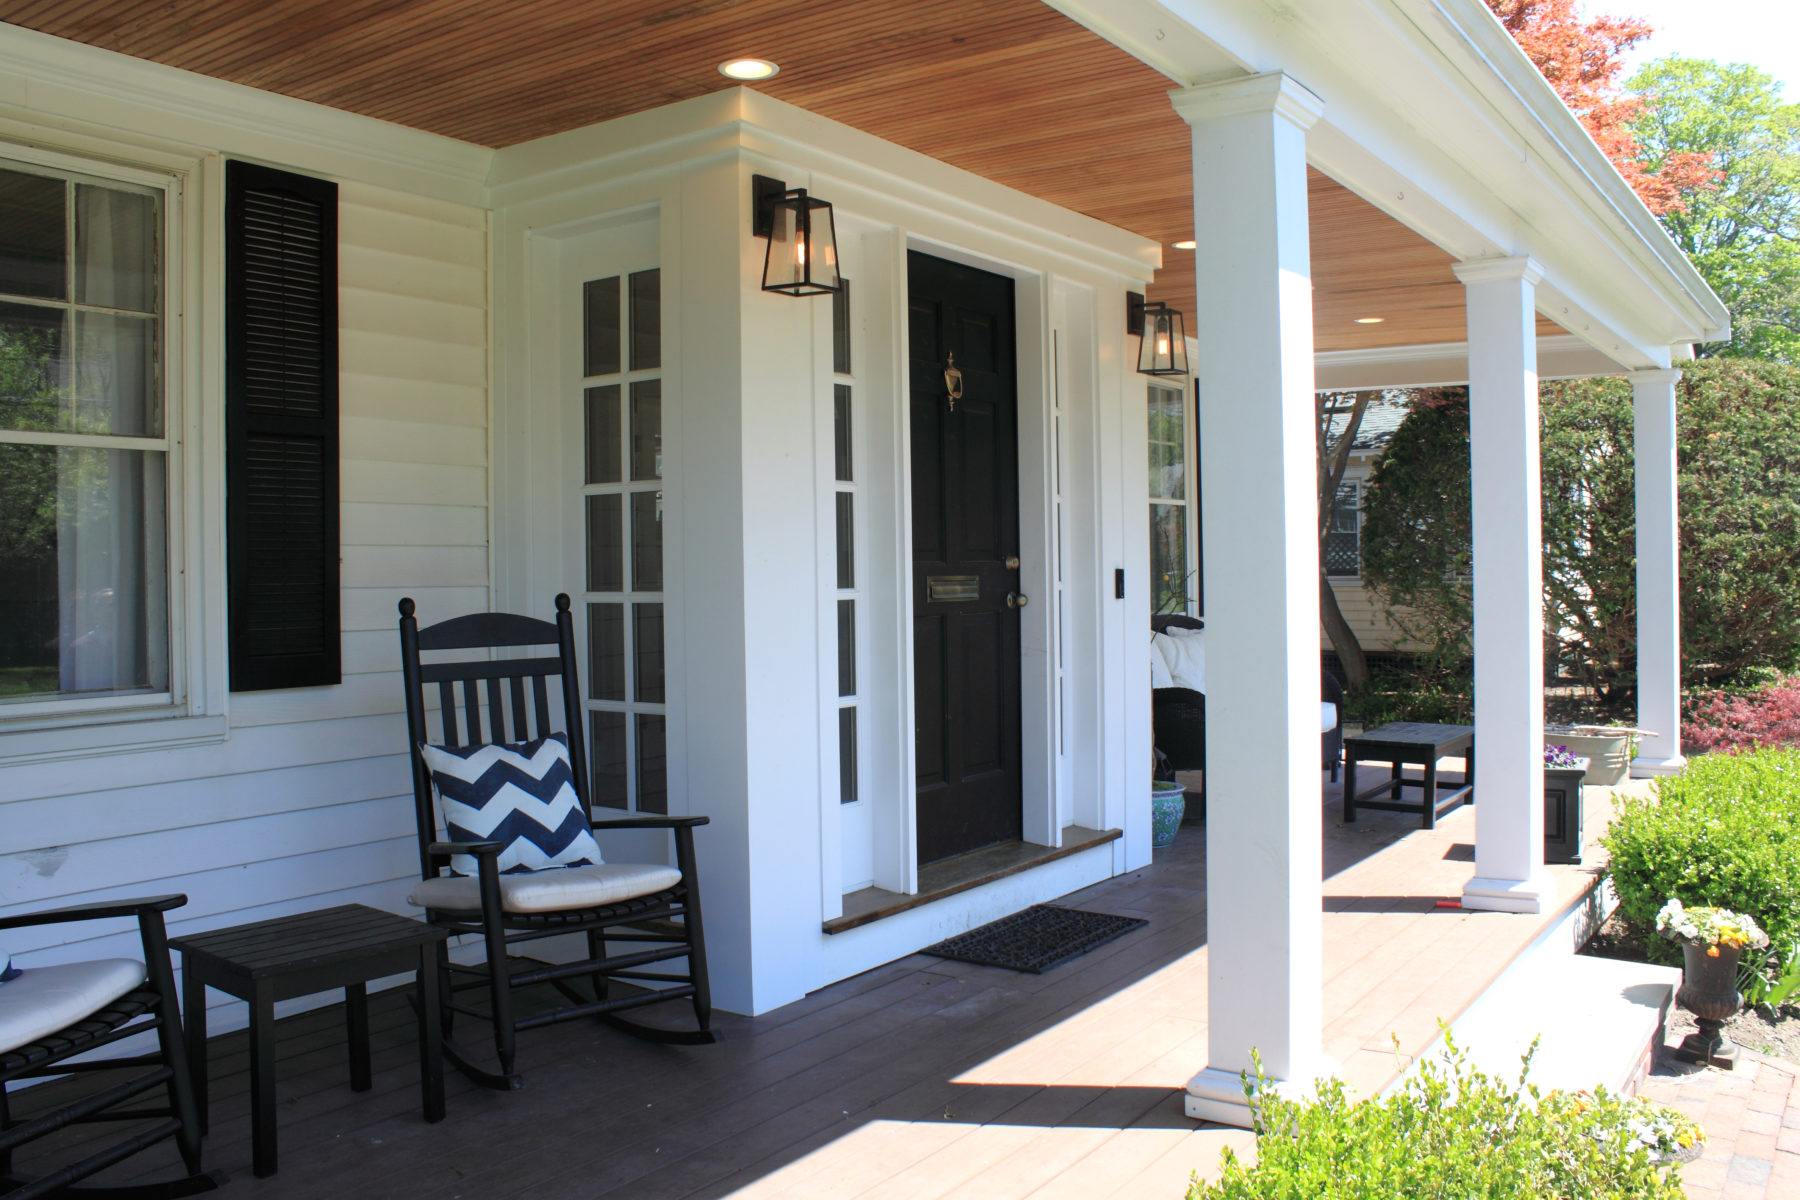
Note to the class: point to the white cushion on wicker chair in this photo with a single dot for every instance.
(556, 889)
(1327, 716)
(43, 1000)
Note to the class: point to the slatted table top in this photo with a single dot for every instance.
(1414, 733)
(307, 940)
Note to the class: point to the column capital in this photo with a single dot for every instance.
(1657, 377)
(1521, 267)
(1273, 92)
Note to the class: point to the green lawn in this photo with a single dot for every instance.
(26, 681)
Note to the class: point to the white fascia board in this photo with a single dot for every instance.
(70, 85)
(855, 165)
(1443, 364)
(1428, 129)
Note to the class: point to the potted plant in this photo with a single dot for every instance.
(1607, 749)
(1563, 773)
(1712, 940)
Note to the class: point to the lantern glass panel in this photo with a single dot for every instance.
(801, 259)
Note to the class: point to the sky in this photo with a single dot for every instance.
(1764, 33)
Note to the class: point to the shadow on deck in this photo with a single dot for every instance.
(920, 1078)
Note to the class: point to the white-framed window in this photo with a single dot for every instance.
(1343, 536)
(90, 474)
(1171, 495)
(844, 500)
(622, 506)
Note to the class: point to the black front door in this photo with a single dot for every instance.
(965, 545)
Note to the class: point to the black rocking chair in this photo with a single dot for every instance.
(659, 925)
(90, 1005)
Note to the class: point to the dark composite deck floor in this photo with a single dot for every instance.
(880, 1085)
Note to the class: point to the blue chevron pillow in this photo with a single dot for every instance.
(520, 794)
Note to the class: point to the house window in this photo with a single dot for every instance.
(85, 442)
(843, 408)
(1343, 538)
(623, 515)
(1169, 515)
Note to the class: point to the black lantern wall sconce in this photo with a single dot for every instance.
(1162, 344)
(801, 259)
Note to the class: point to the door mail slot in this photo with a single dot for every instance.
(952, 589)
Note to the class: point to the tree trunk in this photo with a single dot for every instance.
(1343, 638)
(1334, 458)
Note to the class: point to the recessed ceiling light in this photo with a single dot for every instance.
(748, 69)
(1183, 244)
(1370, 320)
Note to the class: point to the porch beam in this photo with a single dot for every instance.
(1259, 513)
(1658, 574)
(1509, 585)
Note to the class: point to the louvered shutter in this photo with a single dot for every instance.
(281, 428)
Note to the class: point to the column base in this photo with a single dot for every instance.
(1217, 1095)
(1508, 895)
(1653, 768)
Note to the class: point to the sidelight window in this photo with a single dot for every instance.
(623, 514)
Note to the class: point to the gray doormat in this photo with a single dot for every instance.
(1041, 937)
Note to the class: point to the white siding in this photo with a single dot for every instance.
(307, 803)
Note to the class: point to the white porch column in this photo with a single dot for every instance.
(1259, 490)
(1509, 585)
(1658, 574)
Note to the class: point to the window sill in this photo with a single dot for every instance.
(99, 735)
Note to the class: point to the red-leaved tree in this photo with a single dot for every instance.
(1582, 60)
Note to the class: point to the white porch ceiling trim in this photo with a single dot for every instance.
(84, 89)
(1433, 115)
(848, 164)
(1443, 364)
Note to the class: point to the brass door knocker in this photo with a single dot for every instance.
(952, 381)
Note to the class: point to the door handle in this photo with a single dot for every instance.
(1010, 562)
(1017, 599)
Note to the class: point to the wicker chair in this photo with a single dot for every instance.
(1178, 717)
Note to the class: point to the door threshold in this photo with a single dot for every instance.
(960, 872)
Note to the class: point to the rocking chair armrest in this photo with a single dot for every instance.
(100, 911)
(439, 850)
(648, 822)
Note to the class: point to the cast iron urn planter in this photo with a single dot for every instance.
(1709, 991)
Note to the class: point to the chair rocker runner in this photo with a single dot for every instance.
(650, 912)
(50, 1015)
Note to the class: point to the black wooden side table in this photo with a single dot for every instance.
(343, 947)
(1402, 744)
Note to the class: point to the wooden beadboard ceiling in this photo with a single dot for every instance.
(1008, 89)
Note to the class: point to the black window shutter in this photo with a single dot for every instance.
(281, 428)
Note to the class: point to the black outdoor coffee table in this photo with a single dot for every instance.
(343, 947)
(1404, 744)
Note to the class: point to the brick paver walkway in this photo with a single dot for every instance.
(1752, 1121)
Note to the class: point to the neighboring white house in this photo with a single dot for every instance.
(858, 625)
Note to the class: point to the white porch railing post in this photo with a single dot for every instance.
(1509, 585)
(1658, 574)
(1259, 489)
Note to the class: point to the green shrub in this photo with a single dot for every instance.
(1739, 483)
(1452, 1131)
(1726, 831)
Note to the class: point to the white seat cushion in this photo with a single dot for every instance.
(1184, 657)
(43, 1000)
(553, 890)
(1327, 717)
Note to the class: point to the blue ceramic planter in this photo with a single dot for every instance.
(1167, 803)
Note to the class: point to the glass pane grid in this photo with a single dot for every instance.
(622, 489)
